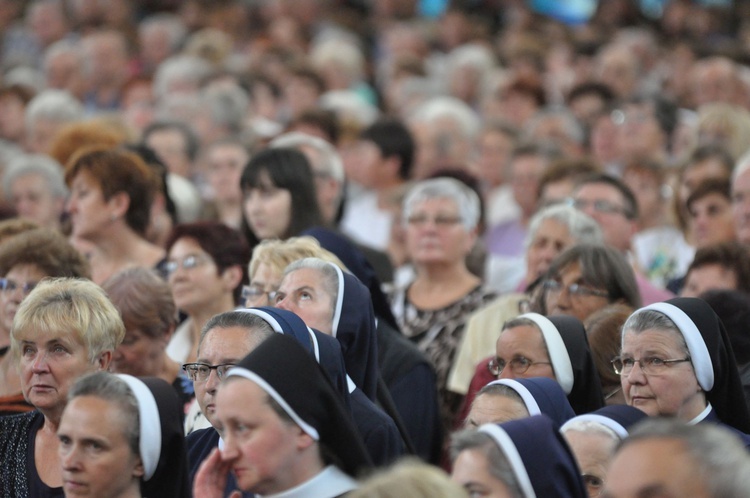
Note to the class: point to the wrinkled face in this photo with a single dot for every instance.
(139, 354)
(593, 452)
(303, 293)
(607, 206)
(90, 213)
(225, 163)
(259, 446)
(220, 346)
(672, 393)
(708, 277)
(268, 209)
(523, 342)
(741, 206)
(580, 305)
(657, 467)
(22, 276)
(435, 233)
(266, 279)
(494, 409)
(34, 201)
(94, 450)
(197, 287)
(471, 470)
(711, 220)
(50, 363)
(550, 239)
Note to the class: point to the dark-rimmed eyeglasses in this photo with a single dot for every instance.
(518, 365)
(199, 372)
(8, 285)
(650, 365)
(577, 290)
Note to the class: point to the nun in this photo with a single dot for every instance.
(593, 438)
(511, 399)
(533, 345)
(284, 429)
(525, 458)
(677, 361)
(135, 427)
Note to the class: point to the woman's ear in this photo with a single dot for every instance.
(138, 470)
(119, 203)
(232, 276)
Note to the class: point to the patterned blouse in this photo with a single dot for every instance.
(438, 334)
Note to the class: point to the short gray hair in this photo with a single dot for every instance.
(646, 319)
(55, 105)
(467, 201)
(590, 427)
(36, 164)
(582, 228)
(497, 463)
(329, 159)
(719, 455)
(328, 271)
(259, 329)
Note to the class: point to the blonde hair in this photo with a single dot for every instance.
(409, 478)
(278, 254)
(77, 307)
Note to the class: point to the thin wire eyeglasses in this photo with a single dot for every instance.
(251, 294)
(187, 263)
(650, 365)
(199, 372)
(7, 285)
(518, 365)
(577, 290)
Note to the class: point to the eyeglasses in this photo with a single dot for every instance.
(650, 365)
(187, 263)
(575, 290)
(7, 285)
(518, 365)
(440, 221)
(199, 372)
(600, 206)
(593, 484)
(253, 293)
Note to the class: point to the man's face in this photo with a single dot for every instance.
(303, 293)
(607, 206)
(220, 346)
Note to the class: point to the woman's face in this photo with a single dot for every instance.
(89, 212)
(51, 361)
(593, 452)
(139, 354)
(196, 282)
(550, 239)
(673, 390)
(94, 450)
(435, 233)
(519, 343)
(581, 304)
(471, 470)
(711, 220)
(266, 280)
(225, 163)
(23, 278)
(268, 209)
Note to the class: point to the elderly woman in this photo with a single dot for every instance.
(512, 399)
(111, 192)
(138, 422)
(524, 458)
(145, 303)
(441, 217)
(64, 329)
(676, 361)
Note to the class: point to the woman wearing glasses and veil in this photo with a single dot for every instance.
(676, 361)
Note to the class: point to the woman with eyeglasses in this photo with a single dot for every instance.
(676, 361)
(26, 259)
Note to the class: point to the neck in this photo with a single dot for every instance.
(440, 275)
(169, 369)
(201, 316)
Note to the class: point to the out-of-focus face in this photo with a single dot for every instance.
(366, 164)
(581, 304)
(51, 362)
(225, 163)
(741, 206)
(435, 233)
(199, 285)
(606, 205)
(40, 133)
(268, 209)
(302, 292)
(657, 467)
(708, 277)
(494, 409)
(550, 239)
(698, 173)
(471, 470)
(265, 282)
(12, 111)
(526, 171)
(674, 391)
(523, 343)
(259, 446)
(94, 450)
(494, 150)
(642, 133)
(593, 452)
(90, 214)
(23, 278)
(711, 220)
(140, 355)
(34, 201)
(220, 346)
(170, 146)
(647, 190)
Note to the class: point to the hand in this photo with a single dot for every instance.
(211, 478)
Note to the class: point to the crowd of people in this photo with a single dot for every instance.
(322, 248)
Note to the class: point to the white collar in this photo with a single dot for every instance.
(702, 415)
(329, 483)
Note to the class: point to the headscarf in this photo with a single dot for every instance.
(161, 440)
(287, 373)
(711, 355)
(540, 458)
(619, 418)
(571, 360)
(541, 396)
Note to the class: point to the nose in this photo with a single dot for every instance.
(39, 363)
(636, 375)
(212, 382)
(230, 450)
(70, 205)
(507, 373)
(69, 457)
(284, 304)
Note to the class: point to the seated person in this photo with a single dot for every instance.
(718, 266)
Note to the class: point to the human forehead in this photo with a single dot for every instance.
(225, 343)
(521, 338)
(435, 205)
(598, 191)
(651, 340)
(242, 399)
(84, 414)
(303, 277)
(186, 246)
(551, 228)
